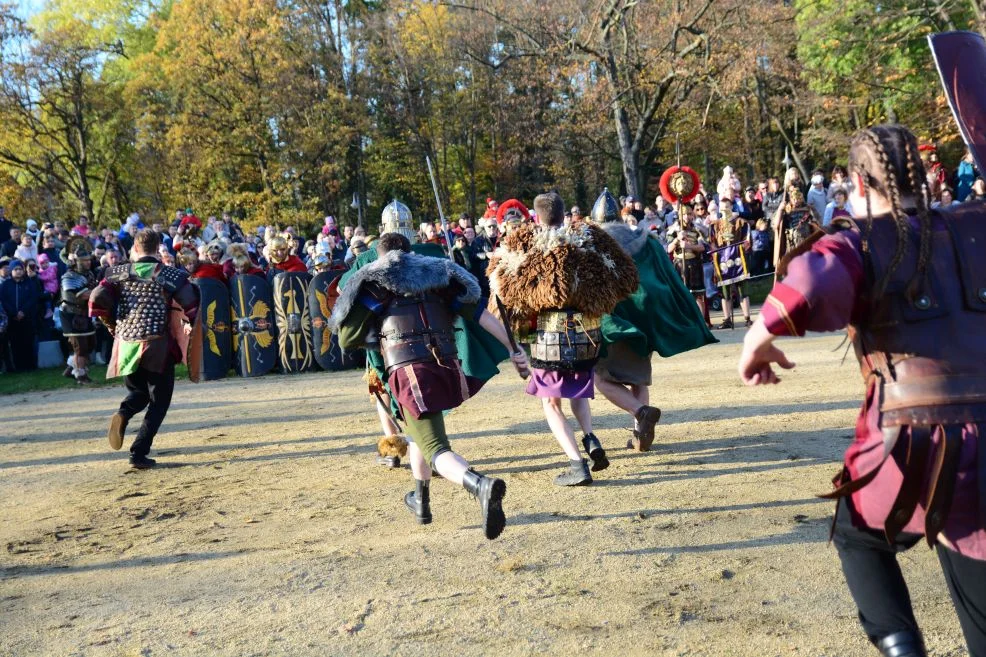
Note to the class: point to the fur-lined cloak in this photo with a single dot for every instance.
(405, 274)
(577, 267)
(661, 315)
(479, 352)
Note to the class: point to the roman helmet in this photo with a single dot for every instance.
(605, 208)
(396, 218)
(77, 253)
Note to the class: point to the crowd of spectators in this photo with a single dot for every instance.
(31, 266)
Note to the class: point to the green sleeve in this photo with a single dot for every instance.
(352, 332)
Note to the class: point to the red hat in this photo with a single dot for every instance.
(490, 202)
(927, 147)
(510, 207)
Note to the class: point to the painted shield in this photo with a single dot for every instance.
(254, 331)
(294, 324)
(214, 325)
(322, 295)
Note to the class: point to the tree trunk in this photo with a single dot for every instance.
(629, 156)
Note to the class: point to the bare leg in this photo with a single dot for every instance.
(582, 413)
(727, 307)
(555, 416)
(386, 421)
(420, 467)
(618, 395)
(745, 306)
(451, 466)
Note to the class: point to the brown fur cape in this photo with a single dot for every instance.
(578, 267)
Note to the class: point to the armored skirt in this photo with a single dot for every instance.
(691, 272)
(563, 355)
(825, 290)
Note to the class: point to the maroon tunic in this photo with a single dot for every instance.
(823, 292)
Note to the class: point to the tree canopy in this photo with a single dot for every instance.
(286, 110)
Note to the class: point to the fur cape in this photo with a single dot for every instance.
(577, 267)
(405, 274)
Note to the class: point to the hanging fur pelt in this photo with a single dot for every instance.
(577, 267)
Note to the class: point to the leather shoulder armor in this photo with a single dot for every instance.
(119, 273)
(171, 278)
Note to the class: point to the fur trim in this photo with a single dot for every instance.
(405, 274)
(630, 240)
(392, 446)
(579, 267)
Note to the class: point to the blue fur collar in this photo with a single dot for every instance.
(405, 274)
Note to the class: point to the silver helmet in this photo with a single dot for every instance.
(396, 218)
(605, 208)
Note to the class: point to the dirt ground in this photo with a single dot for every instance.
(270, 530)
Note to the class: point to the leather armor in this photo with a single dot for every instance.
(417, 329)
(928, 350)
(75, 311)
(924, 350)
(566, 341)
(798, 226)
(143, 305)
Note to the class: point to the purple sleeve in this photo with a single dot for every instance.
(820, 290)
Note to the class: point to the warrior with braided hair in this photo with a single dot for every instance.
(909, 284)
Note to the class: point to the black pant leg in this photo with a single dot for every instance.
(22, 347)
(966, 579)
(160, 387)
(137, 396)
(874, 577)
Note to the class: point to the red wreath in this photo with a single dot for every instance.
(666, 192)
(506, 206)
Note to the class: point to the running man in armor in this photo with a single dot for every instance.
(135, 302)
(564, 279)
(908, 283)
(658, 317)
(403, 305)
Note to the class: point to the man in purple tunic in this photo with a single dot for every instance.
(564, 278)
(910, 285)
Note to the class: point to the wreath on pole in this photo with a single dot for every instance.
(679, 184)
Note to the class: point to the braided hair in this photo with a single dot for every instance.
(885, 156)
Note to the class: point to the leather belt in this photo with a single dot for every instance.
(938, 390)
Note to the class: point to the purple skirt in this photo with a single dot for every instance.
(560, 385)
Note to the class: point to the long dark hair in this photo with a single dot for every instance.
(887, 158)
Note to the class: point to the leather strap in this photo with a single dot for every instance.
(915, 465)
(930, 391)
(935, 415)
(942, 482)
(845, 485)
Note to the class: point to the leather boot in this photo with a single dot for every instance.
(577, 475)
(643, 435)
(118, 424)
(489, 491)
(902, 644)
(419, 501)
(597, 455)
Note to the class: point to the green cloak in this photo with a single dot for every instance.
(661, 315)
